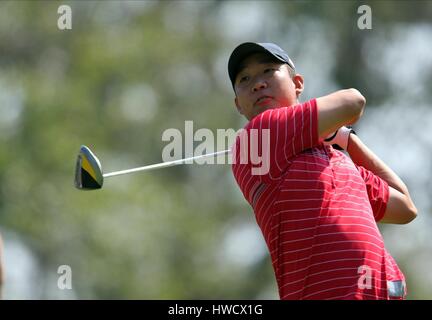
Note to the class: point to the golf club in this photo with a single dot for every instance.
(89, 174)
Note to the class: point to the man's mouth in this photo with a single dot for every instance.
(263, 100)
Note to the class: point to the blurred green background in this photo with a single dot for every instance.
(125, 73)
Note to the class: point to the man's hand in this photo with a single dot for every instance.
(340, 138)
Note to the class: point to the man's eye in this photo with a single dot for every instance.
(267, 70)
(243, 79)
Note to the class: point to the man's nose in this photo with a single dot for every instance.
(259, 84)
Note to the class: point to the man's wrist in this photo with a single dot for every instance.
(352, 142)
(340, 138)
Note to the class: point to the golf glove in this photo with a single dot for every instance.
(339, 139)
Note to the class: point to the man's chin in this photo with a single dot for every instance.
(260, 109)
(263, 108)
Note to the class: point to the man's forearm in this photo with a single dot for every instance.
(361, 155)
(343, 107)
(400, 208)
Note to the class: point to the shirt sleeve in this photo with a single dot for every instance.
(377, 190)
(277, 135)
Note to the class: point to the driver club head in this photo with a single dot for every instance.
(88, 170)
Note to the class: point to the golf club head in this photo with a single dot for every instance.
(88, 170)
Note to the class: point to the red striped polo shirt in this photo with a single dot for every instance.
(316, 209)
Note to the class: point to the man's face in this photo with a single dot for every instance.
(263, 83)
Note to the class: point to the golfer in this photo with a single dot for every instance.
(317, 208)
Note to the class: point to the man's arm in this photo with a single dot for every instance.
(343, 107)
(400, 207)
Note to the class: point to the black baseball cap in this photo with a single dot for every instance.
(246, 49)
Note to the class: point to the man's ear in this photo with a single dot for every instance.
(299, 84)
(239, 108)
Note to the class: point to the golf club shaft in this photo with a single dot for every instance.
(164, 164)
